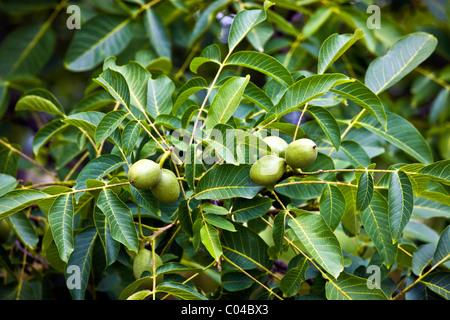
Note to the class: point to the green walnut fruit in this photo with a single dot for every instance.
(144, 262)
(267, 170)
(277, 146)
(301, 153)
(144, 174)
(4, 231)
(168, 189)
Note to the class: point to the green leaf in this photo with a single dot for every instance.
(26, 50)
(80, 261)
(375, 221)
(260, 35)
(98, 168)
(442, 253)
(245, 210)
(46, 133)
(60, 218)
(110, 246)
(257, 96)
(120, 219)
(7, 183)
(404, 56)
(263, 63)
(146, 200)
(400, 133)
(210, 238)
(179, 290)
(210, 54)
(226, 101)
(86, 121)
(304, 91)
(185, 218)
(158, 34)
(9, 160)
(332, 205)
(100, 38)
(319, 240)
(278, 230)
(226, 181)
(354, 153)
(300, 188)
(168, 121)
(219, 222)
(130, 135)
(206, 18)
(191, 86)
(357, 92)
(422, 257)
(159, 96)
(439, 171)
(351, 287)
(39, 100)
(364, 192)
(17, 200)
(116, 84)
(220, 140)
(293, 279)
(244, 22)
(237, 281)
(351, 221)
(174, 267)
(401, 201)
(439, 282)
(334, 47)
(22, 226)
(245, 248)
(328, 124)
(108, 124)
(193, 167)
(211, 208)
(427, 208)
(136, 77)
(317, 19)
(94, 101)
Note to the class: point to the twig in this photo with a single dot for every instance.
(23, 155)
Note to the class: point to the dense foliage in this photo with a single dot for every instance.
(89, 88)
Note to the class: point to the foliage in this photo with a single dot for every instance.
(171, 81)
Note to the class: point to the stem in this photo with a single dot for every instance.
(349, 127)
(251, 277)
(161, 230)
(294, 46)
(300, 120)
(420, 278)
(193, 276)
(40, 34)
(154, 268)
(352, 170)
(221, 66)
(164, 157)
(46, 184)
(22, 271)
(23, 155)
(432, 77)
(75, 167)
(140, 222)
(186, 63)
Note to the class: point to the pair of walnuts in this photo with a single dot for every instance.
(270, 168)
(147, 174)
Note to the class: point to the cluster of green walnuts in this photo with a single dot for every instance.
(271, 167)
(147, 174)
(267, 170)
